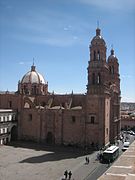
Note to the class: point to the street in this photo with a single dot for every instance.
(101, 168)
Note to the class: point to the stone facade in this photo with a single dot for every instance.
(91, 119)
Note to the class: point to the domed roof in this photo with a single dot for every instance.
(98, 40)
(33, 77)
(112, 56)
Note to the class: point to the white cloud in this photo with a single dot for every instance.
(127, 76)
(66, 29)
(25, 62)
(52, 28)
(75, 37)
(21, 63)
(61, 41)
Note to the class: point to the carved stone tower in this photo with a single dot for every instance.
(98, 94)
(98, 68)
(114, 83)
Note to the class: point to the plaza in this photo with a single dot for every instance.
(31, 161)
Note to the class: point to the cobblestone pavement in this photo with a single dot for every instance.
(23, 161)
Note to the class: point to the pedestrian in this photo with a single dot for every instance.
(66, 174)
(109, 163)
(69, 175)
(88, 160)
(97, 156)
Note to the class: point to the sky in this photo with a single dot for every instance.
(57, 34)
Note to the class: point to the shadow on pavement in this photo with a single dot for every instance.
(55, 153)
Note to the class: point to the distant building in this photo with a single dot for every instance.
(91, 119)
(8, 126)
(126, 106)
(127, 120)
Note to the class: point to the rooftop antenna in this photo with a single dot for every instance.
(111, 46)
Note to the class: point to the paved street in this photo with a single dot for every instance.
(101, 168)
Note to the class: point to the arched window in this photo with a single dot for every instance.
(94, 55)
(34, 89)
(92, 119)
(98, 56)
(93, 78)
(98, 78)
(112, 69)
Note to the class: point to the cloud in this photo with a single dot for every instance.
(125, 5)
(25, 62)
(68, 28)
(127, 76)
(52, 28)
(21, 63)
(60, 41)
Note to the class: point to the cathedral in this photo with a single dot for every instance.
(83, 120)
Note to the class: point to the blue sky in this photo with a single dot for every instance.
(57, 35)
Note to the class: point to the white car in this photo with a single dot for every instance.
(132, 133)
(125, 146)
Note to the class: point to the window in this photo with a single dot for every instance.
(93, 78)
(10, 104)
(34, 90)
(92, 119)
(43, 104)
(13, 117)
(73, 119)
(3, 130)
(107, 131)
(94, 55)
(99, 78)
(112, 69)
(30, 117)
(98, 56)
(7, 118)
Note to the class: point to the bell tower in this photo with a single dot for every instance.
(97, 68)
(114, 70)
(114, 84)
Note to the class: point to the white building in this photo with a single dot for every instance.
(8, 125)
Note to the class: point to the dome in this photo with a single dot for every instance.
(33, 77)
(98, 40)
(112, 56)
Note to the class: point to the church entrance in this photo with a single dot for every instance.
(50, 138)
(14, 133)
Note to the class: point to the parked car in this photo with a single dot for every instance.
(131, 132)
(125, 145)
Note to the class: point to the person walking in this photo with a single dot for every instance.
(88, 160)
(109, 162)
(66, 174)
(69, 175)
